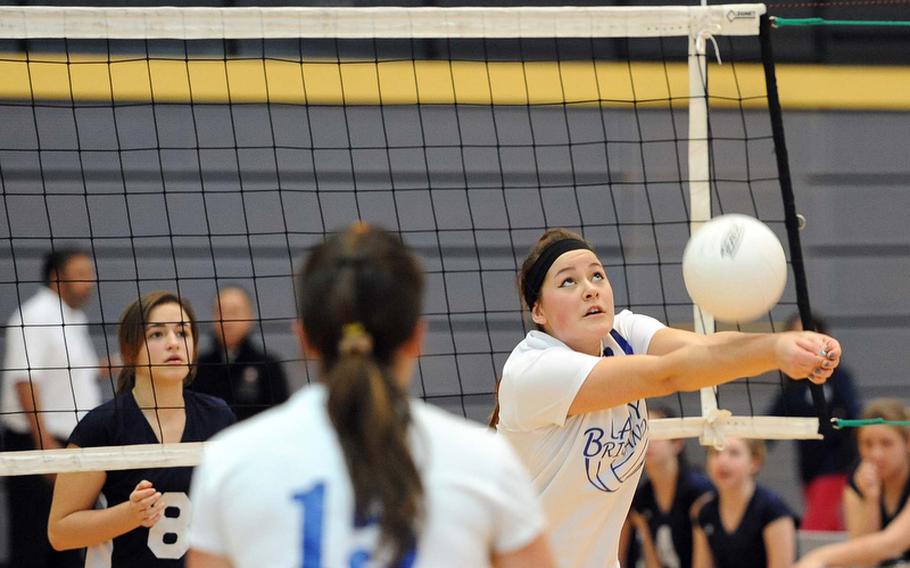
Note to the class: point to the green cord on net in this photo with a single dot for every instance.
(840, 423)
(794, 22)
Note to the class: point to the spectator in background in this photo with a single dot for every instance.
(877, 501)
(49, 383)
(661, 515)
(249, 379)
(823, 464)
(741, 524)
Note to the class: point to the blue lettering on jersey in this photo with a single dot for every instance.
(611, 458)
(312, 503)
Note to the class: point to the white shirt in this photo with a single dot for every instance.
(278, 480)
(48, 343)
(585, 467)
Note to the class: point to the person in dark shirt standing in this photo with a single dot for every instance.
(234, 369)
(823, 464)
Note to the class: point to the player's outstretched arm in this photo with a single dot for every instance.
(691, 362)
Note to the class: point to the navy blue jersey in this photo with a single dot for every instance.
(745, 546)
(250, 382)
(120, 422)
(887, 516)
(671, 530)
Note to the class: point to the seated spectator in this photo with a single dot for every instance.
(662, 507)
(823, 464)
(741, 524)
(234, 369)
(876, 500)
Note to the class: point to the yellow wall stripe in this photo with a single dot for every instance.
(49, 77)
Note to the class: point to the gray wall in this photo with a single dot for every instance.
(185, 197)
(852, 178)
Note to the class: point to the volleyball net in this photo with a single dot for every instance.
(190, 148)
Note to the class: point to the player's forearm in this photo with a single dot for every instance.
(701, 553)
(649, 551)
(780, 543)
(862, 517)
(866, 522)
(697, 364)
(618, 380)
(868, 550)
(80, 529)
(719, 361)
(28, 395)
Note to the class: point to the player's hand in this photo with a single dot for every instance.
(868, 481)
(145, 504)
(806, 354)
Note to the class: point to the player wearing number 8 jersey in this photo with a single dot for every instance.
(148, 511)
(352, 472)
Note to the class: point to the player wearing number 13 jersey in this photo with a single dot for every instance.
(147, 511)
(291, 504)
(352, 472)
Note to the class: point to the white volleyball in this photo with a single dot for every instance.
(734, 268)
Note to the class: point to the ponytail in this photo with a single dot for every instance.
(370, 414)
(360, 295)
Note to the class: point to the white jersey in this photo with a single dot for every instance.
(585, 467)
(274, 491)
(48, 343)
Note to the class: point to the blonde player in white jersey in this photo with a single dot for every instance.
(352, 472)
(571, 398)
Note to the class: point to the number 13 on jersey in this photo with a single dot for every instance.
(312, 504)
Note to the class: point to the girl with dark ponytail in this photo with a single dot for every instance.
(572, 393)
(352, 472)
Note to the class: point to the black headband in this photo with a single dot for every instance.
(538, 271)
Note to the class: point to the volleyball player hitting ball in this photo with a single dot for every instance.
(572, 392)
(158, 345)
(352, 472)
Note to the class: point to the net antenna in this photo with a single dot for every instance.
(715, 424)
(699, 25)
